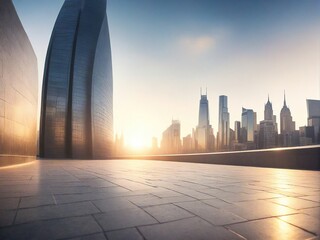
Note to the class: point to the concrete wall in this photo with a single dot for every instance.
(307, 158)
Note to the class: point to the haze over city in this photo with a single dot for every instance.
(186, 120)
(163, 52)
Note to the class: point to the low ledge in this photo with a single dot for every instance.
(8, 160)
(304, 158)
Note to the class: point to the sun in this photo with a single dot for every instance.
(137, 143)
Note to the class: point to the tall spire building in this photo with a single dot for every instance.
(77, 108)
(268, 128)
(204, 133)
(287, 126)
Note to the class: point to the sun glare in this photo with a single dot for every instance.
(137, 143)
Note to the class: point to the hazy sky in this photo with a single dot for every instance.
(164, 51)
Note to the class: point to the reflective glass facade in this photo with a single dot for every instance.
(247, 121)
(224, 123)
(203, 111)
(77, 97)
(18, 87)
(204, 132)
(313, 107)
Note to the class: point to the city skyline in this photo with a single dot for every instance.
(164, 52)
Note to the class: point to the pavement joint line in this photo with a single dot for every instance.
(86, 235)
(16, 213)
(144, 238)
(257, 219)
(298, 226)
(234, 232)
(195, 215)
(42, 220)
(95, 219)
(54, 199)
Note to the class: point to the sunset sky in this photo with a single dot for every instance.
(165, 51)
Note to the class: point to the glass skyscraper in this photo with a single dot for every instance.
(18, 89)
(203, 112)
(313, 107)
(204, 133)
(224, 124)
(247, 121)
(77, 95)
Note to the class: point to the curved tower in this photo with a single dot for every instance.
(77, 94)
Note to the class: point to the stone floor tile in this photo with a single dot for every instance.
(125, 234)
(211, 214)
(192, 193)
(70, 190)
(151, 200)
(313, 212)
(98, 183)
(131, 185)
(167, 212)
(96, 236)
(314, 198)
(271, 228)
(303, 221)
(9, 203)
(295, 203)
(124, 219)
(251, 210)
(52, 229)
(55, 211)
(7, 217)
(103, 194)
(186, 229)
(113, 204)
(30, 202)
(217, 203)
(163, 193)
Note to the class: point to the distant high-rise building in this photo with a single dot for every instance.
(171, 141)
(306, 135)
(237, 131)
(268, 111)
(237, 143)
(287, 126)
(268, 128)
(224, 124)
(18, 89)
(155, 147)
(187, 144)
(313, 107)
(203, 112)
(247, 121)
(77, 95)
(204, 136)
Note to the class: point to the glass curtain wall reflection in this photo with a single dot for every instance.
(18, 88)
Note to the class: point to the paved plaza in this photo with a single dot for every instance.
(141, 199)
